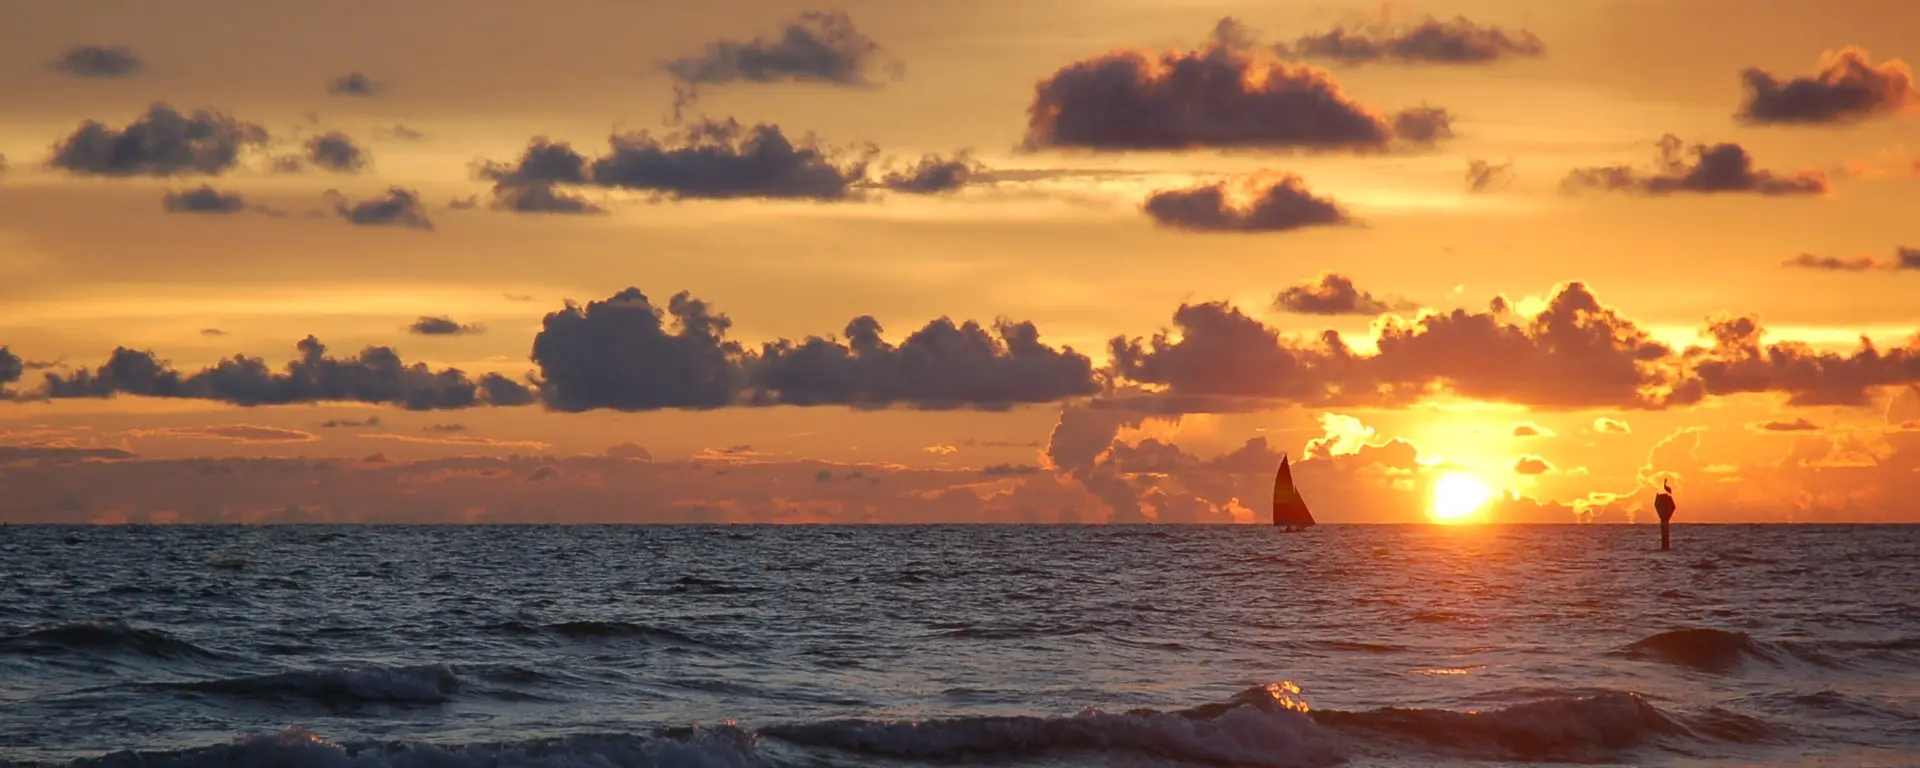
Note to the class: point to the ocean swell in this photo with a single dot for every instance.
(419, 684)
(103, 638)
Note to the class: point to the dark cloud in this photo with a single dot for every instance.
(467, 203)
(1432, 41)
(1738, 362)
(1335, 294)
(1904, 259)
(1009, 470)
(1715, 168)
(370, 421)
(11, 368)
(443, 428)
(1848, 88)
(818, 46)
(399, 207)
(1532, 465)
(98, 61)
(934, 174)
(163, 142)
(1275, 202)
(540, 198)
(376, 375)
(1483, 176)
(205, 199)
(212, 332)
(335, 151)
(1575, 353)
(1797, 425)
(504, 392)
(624, 354)
(621, 354)
(441, 326)
(354, 84)
(716, 160)
(543, 162)
(1218, 96)
(942, 365)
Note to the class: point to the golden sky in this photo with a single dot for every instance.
(1571, 250)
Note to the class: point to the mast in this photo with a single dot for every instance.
(1289, 509)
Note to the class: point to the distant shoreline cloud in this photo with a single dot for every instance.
(203, 199)
(1904, 259)
(95, 61)
(1847, 88)
(442, 326)
(1701, 169)
(1223, 95)
(626, 353)
(1432, 41)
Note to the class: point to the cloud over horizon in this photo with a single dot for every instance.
(1847, 88)
(1712, 169)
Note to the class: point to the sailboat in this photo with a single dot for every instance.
(1289, 510)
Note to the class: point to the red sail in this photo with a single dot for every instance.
(1288, 508)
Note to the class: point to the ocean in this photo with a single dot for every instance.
(959, 645)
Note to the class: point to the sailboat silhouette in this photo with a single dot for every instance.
(1289, 509)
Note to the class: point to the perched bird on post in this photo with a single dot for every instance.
(1663, 504)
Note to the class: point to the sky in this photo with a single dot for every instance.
(983, 261)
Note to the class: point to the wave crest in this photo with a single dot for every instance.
(106, 638)
(419, 684)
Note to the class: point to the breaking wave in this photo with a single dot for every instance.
(1722, 652)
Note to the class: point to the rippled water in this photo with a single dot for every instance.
(1044, 645)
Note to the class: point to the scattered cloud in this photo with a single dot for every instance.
(1605, 425)
(370, 421)
(444, 428)
(1483, 176)
(1532, 465)
(98, 61)
(816, 47)
(460, 440)
(398, 207)
(1221, 95)
(442, 326)
(1716, 168)
(335, 151)
(934, 174)
(354, 84)
(212, 332)
(1530, 429)
(399, 132)
(1273, 202)
(1335, 294)
(238, 433)
(204, 199)
(1432, 41)
(941, 450)
(1904, 258)
(1848, 88)
(162, 142)
(715, 160)
(1797, 425)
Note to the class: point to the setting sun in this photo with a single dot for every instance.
(1456, 497)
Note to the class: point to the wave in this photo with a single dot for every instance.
(1266, 726)
(1261, 727)
(720, 747)
(1720, 651)
(113, 638)
(417, 684)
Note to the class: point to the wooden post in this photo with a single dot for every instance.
(1664, 542)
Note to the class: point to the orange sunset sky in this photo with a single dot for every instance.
(982, 261)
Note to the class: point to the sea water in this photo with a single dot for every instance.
(961, 645)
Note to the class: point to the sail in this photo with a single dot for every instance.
(1288, 507)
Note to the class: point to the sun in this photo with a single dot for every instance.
(1456, 497)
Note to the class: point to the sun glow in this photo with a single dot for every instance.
(1456, 497)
